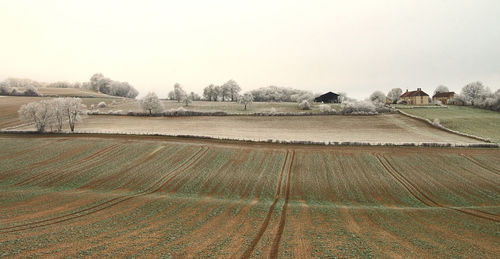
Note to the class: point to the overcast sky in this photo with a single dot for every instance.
(350, 46)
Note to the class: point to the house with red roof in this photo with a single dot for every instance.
(418, 97)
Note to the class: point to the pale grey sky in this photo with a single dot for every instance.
(351, 46)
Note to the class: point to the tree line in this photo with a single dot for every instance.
(98, 83)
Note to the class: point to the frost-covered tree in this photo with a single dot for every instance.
(394, 94)
(179, 92)
(31, 91)
(151, 103)
(53, 113)
(21, 82)
(187, 101)
(280, 94)
(59, 84)
(377, 98)
(73, 110)
(474, 93)
(209, 93)
(441, 89)
(231, 89)
(219, 93)
(40, 113)
(4, 88)
(194, 96)
(100, 83)
(58, 106)
(246, 100)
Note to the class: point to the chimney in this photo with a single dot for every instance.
(419, 89)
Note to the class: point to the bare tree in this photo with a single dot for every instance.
(39, 113)
(218, 93)
(187, 101)
(209, 93)
(246, 99)
(441, 89)
(304, 105)
(194, 96)
(179, 92)
(73, 109)
(100, 83)
(232, 89)
(58, 106)
(31, 91)
(394, 94)
(377, 98)
(151, 103)
(474, 92)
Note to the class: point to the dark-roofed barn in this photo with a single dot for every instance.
(327, 98)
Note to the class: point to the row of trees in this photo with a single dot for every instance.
(476, 94)
(53, 114)
(98, 82)
(28, 91)
(229, 91)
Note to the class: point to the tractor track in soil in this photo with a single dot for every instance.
(281, 226)
(107, 204)
(422, 197)
(267, 219)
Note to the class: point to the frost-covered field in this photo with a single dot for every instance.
(387, 128)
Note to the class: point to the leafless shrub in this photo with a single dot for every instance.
(304, 105)
(359, 108)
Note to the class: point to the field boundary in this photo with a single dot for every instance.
(270, 141)
(441, 127)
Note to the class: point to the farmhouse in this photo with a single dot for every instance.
(418, 97)
(443, 97)
(327, 98)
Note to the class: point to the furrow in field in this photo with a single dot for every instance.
(134, 165)
(418, 194)
(101, 206)
(52, 171)
(44, 162)
(492, 170)
(267, 219)
(26, 151)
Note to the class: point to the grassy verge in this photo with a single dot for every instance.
(470, 120)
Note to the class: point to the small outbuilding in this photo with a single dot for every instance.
(443, 97)
(327, 98)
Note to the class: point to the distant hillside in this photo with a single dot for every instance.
(71, 92)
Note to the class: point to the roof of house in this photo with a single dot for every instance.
(444, 94)
(329, 93)
(414, 93)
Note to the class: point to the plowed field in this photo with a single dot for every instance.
(107, 196)
(384, 128)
